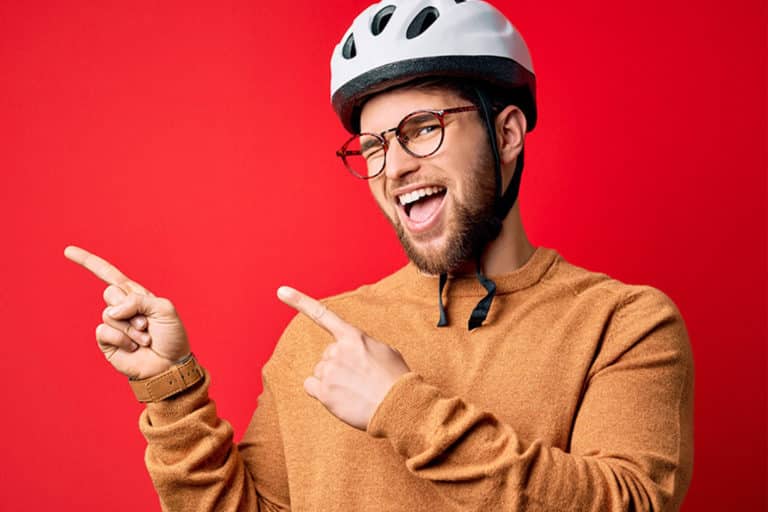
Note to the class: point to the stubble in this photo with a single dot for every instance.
(472, 226)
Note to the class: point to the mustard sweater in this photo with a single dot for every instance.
(576, 394)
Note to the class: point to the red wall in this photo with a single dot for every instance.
(193, 145)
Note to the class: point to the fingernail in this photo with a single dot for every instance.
(141, 322)
(134, 346)
(145, 339)
(113, 310)
(283, 292)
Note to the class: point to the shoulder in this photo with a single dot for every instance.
(625, 299)
(636, 318)
(646, 318)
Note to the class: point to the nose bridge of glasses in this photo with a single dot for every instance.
(388, 135)
(399, 159)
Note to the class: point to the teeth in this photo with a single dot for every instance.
(410, 197)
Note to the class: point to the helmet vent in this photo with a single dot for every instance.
(381, 19)
(460, 1)
(422, 22)
(348, 51)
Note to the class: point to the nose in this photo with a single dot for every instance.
(398, 161)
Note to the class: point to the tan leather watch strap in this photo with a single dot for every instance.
(174, 380)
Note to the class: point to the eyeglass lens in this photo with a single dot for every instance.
(420, 134)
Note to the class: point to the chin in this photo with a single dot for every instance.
(449, 243)
(430, 252)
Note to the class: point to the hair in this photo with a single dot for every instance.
(498, 97)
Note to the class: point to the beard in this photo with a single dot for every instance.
(473, 226)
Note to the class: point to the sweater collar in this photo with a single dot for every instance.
(531, 272)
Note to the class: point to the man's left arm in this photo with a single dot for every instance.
(632, 441)
(631, 445)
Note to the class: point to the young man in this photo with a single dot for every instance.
(487, 374)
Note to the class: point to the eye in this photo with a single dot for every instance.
(426, 130)
(373, 152)
(421, 130)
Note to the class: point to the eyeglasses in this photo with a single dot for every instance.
(420, 134)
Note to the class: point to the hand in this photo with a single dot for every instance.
(356, 372)
(132, 308)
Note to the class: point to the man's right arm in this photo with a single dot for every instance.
(190, 456)
(194, 463)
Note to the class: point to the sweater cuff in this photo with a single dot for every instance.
(172, 409)
(401, 416)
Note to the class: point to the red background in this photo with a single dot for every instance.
(192, 144)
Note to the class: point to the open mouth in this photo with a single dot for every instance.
(421, 205)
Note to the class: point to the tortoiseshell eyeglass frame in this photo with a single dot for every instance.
(381, 137)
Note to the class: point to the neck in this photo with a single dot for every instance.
(509, 251)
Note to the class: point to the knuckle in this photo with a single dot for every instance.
(166, 304)
(318, 371)
(331, 386)
(134, 287)
(106, 335)
(353, 337)
(323, 391)
(330, 351)
(113, 295)
(317, 311)
(331, 373)
(353, 333)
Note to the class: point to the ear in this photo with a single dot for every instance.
(510, 133)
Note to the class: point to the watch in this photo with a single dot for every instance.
(182, 375)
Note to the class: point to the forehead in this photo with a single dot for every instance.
(386, 109)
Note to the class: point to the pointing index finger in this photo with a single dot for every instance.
(315, 310)
(103, 269)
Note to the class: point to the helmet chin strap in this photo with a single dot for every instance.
(502, 204)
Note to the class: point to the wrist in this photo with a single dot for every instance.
(159, 366)
(183, 374)
(184, 359)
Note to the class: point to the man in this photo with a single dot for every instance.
(488, 374)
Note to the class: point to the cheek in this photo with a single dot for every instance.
(452, 169)
(377, 191)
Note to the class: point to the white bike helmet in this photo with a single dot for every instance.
(397, 41)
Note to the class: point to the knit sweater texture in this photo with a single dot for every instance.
(575, 395)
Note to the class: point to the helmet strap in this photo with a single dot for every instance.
(487, 115)
(480, 312)
(443, 317)
(503, 203)
(507, 200)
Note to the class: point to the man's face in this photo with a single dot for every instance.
(447, 227)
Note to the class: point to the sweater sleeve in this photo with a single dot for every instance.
(194, 463)
(631, 443)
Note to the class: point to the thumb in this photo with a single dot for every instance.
(133, 304)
